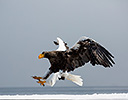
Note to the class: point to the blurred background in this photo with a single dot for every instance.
(28, 27)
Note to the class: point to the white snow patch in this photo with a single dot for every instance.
(119, 96)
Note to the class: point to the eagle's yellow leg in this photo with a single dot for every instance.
(35, 77)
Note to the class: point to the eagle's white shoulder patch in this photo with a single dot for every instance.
(61, 45)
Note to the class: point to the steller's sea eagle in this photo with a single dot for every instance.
(67, 59)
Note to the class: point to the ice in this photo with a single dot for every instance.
(119, 96)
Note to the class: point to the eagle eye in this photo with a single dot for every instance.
(42, 52)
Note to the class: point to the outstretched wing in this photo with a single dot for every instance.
(88, 50)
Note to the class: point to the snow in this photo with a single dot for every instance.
(119, 96)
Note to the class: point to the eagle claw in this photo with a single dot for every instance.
(39, 80)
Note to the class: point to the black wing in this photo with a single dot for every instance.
(87, 50)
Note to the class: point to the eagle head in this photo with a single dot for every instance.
(43, 55)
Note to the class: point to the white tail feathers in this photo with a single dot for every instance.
(74, 78)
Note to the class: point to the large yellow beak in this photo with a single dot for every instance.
(41, 56)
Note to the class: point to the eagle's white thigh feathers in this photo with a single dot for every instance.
(51, 82)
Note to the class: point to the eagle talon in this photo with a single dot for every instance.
(41, 82)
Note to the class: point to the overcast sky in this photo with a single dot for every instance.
(28, 27)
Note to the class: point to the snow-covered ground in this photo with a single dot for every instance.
(120, 96)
